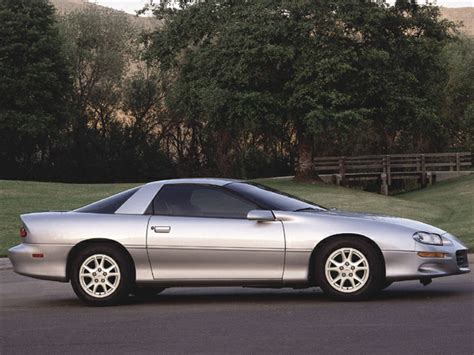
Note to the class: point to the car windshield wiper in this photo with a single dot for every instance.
(308, 209)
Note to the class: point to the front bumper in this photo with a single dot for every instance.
(51, 266)
(408, 265)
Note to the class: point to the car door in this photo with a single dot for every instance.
(200, 233)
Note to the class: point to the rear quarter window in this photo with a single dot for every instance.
(110, 204)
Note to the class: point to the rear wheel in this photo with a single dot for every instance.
(101, 275)
(349, 269)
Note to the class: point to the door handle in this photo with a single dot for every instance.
(161, 229)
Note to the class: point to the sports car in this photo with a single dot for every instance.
(219, 232)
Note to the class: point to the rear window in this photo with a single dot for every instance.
(110, 204)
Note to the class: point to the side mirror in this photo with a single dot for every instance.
(260, 215)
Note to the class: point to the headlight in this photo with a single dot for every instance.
(428, 238)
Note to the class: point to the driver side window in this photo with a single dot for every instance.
(200, 201)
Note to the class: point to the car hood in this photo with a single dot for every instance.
(405, 222)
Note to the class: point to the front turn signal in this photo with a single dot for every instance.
(428, 254)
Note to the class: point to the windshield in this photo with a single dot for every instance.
(272, 199)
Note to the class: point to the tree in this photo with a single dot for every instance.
(323, 69)
(99, 44)
(118, 127)
(402, 75)
(458, 104)
(34, 87)
(228, 74)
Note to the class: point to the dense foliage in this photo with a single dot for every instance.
(224, 87)
(458, 100)
(113, 98)
(34, 87)
(340, 77)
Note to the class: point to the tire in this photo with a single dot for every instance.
(109, 286)
(349, 269)
(146, 292)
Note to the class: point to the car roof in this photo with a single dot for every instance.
(140, 200)
(202, 181)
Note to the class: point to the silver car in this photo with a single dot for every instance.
(217, 232)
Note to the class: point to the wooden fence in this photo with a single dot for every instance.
(387, 168)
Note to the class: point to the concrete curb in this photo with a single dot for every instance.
(5, 263)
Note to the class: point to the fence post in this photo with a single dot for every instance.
(389, 171)
(341, 168)
(458, 162)
(430, 178)
(384, 186)
(423, 170)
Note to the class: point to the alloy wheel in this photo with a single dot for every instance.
(99, 275)
(347, 270)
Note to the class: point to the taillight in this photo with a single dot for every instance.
(23, 232)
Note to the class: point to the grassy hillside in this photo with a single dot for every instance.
(464, 15)
(448, 205)
(67, 6)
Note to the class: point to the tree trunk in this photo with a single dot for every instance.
(224, 165)
(304, 169)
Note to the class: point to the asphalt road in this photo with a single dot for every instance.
(407, 318)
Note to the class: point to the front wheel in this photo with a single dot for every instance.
(349, 269)
(101, 275)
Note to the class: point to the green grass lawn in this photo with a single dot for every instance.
(448, 205)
